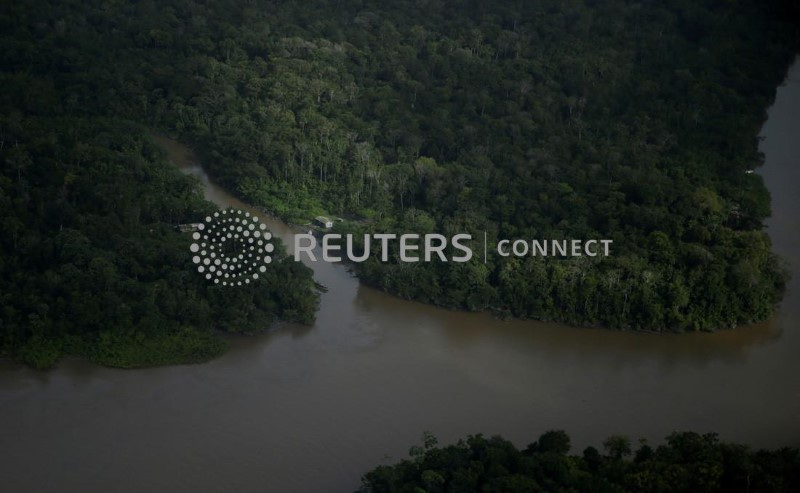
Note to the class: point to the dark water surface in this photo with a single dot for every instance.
(312, 408)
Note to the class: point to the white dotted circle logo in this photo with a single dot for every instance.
(231, 247)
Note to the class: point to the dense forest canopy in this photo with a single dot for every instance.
(90, 262)
(634, 121)
(687, 462)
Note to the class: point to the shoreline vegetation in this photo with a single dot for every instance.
(581, 120)
(99, 271)
(688, 461)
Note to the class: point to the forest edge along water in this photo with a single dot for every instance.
(312, 408)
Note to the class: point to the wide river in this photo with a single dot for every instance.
(312, 408)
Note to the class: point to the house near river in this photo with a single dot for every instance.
(189, 227)
(323, 222)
